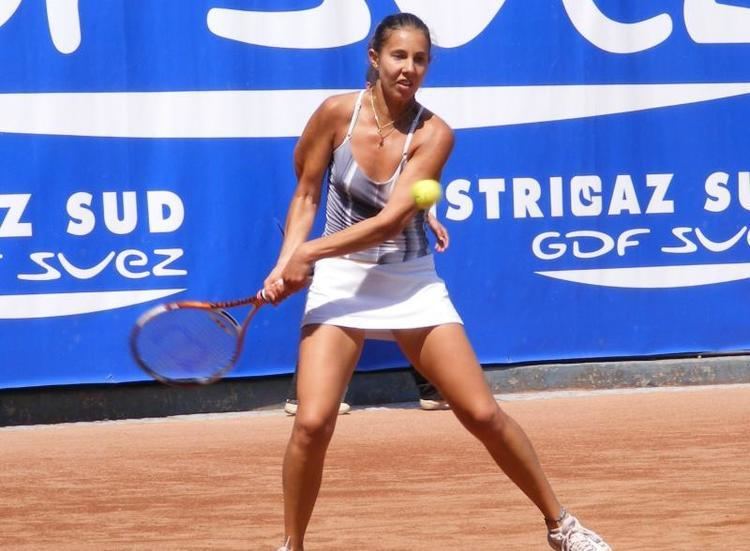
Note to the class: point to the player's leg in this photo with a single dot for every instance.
(444, 355)
(327, 358)
(291, 402)
(446, 358)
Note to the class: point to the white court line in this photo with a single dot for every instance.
(513, 397)
(152, 420)
(553, 394)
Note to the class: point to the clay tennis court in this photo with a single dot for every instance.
(668, 469)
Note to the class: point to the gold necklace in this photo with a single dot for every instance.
(381, 127)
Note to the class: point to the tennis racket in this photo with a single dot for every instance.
(191, 342)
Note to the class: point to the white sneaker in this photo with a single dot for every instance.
(285, 547)
(290, 407)
(433, 405)
(572, 536)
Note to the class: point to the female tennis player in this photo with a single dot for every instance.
(374, 276)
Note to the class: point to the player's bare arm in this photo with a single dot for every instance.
(311, 157)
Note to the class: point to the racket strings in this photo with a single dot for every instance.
(188, 344)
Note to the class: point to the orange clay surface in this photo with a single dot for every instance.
(666, 470)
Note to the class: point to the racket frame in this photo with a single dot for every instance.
(217, 308)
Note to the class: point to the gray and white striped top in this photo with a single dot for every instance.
(353, 197)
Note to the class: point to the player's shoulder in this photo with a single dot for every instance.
(435, 129)
(338, 106)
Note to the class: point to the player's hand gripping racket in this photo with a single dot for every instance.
(191, 342)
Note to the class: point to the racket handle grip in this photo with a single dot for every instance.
(261, 295)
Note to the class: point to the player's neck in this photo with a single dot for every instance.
(390, 110)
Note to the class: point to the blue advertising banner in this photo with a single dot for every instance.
(597, 196)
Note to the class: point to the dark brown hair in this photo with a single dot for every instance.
(383, 31)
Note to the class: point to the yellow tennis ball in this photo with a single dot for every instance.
(426, 193)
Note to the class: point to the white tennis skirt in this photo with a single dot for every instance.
(378, 297)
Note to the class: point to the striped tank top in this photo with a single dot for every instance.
(353, 197)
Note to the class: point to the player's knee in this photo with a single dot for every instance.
(313, 428)
(483, 419)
